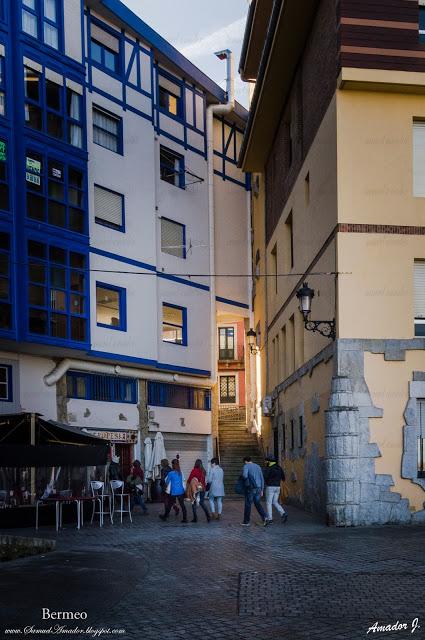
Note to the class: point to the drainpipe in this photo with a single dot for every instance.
(129, 372)
(216, 110)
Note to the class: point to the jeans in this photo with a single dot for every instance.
(272, 499)
(170, 500)
(219, 504)
(253, 496)
(137, 498)
(169, 504)
(202, 505)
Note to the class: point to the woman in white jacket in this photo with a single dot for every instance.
(215, 487)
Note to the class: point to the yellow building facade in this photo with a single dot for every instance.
(337, 146)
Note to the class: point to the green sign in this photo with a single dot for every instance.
(33, 165)
(3, 150)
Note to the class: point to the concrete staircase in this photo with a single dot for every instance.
(236, 442)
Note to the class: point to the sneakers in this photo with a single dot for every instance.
(245, 524)
(269, 521)
(266, 522)
(284, 517)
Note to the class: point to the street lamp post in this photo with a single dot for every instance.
(326, 328)
(252, 341)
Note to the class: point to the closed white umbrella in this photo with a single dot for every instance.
(158, 455)
(148, 458)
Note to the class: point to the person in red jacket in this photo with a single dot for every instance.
(198, 472)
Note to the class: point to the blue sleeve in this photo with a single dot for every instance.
(245, 471)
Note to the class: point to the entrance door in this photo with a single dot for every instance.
(227, 389)
(124, 452)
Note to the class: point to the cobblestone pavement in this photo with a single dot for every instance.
(163, 581)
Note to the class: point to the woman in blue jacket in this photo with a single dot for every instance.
(174, 483)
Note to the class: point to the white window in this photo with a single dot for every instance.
(108, 208)
(419, 159)
(5, 384)
(107, 130)
(173, 238)
(419, 297)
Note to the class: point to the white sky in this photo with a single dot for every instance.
(198, 28)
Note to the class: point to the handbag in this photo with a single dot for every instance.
(240, 486)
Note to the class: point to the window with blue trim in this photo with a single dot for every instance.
(104, 49)
(173, 238)
(161, 394)
(57, 292)
(107, 130)
(108, 208)
(2, 85)
(111, 307)
(5, 285)
(174, 324)
(422, 24)
(104, 388)
(4, 176)
(6, 389)
(41, 19)
(55, 192)
(171, 167)
(53, 108)
(170, 96)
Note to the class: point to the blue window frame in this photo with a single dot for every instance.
(111, 309)
(161, 394)
(174, 324)
(173, 238)
(170, 95)
(42, 19)
(5, 283)
(109, 208)
(422, 24)
(107, 130)
(53, 108)
(6, 386)
(2, 86)
(104, 388)
(57, 292)
(172, 167)
(4, 176)
(55, 192)
(105, 48)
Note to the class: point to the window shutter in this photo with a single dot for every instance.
(419, 159)
(108, 206)
(172, 238)
(419, 286)
(105, 38)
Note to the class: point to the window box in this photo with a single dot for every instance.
(111, 307)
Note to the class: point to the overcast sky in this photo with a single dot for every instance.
(198, 28)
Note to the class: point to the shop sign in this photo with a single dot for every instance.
(33, 171)
(129, 437)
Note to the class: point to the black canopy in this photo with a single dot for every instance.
(55, 444)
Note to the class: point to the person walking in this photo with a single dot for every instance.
(135, 483)
(174, 479)
(254, 488)
(198, 474)
(167, 498)
(215, 488)
(273, 476)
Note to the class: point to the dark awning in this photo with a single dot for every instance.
(18, 455)
(55, 444)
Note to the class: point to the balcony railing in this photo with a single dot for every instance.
(233, 355)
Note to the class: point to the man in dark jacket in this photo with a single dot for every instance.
(273, 476)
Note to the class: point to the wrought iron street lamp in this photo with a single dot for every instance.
(325, 327)
(252, 341)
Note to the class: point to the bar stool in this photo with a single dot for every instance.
(117, 489)
(99, 496)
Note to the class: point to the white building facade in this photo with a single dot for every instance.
(121, 238)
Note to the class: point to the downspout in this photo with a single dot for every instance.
(216, 110)
(117, 370)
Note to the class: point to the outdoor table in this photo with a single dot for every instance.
(59, 501)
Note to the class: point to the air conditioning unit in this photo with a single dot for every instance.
(151, 414)
(267, 406)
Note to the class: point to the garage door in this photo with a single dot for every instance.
(189, 448)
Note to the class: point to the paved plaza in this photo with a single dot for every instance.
(163, 581)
